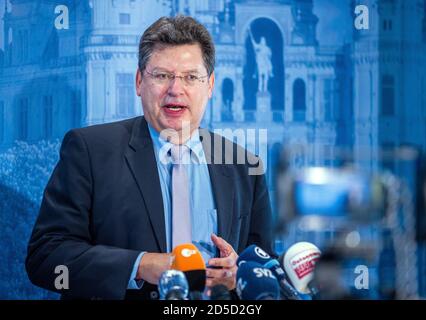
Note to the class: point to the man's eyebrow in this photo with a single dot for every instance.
(160, 69)
(191, 71)
(165, 70)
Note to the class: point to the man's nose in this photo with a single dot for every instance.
(176, 86)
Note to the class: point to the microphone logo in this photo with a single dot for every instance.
(262, 272)
(261, 253)
(187, 252)
(304, 263)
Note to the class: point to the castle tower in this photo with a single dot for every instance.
(111, 55)
(228, 98)
(32, 109)
(365, 54)
(388, 86)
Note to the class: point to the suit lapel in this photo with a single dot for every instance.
(221, 180)
(141, 160)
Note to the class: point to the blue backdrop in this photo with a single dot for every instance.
(339, 78)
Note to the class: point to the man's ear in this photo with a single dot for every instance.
(211, 84)
(138, 82)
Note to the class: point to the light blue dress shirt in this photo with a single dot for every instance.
(203, 209)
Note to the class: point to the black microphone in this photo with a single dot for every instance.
(256, 254)
(220, 292)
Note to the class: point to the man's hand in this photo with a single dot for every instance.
(226, 265)
(152, 265)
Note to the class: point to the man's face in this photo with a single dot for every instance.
(167, 104)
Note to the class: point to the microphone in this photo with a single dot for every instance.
(257, 254)
(220, 292)
(173, 285)
(256, 283)
(299, 264)
(188, 259)
(196, 295)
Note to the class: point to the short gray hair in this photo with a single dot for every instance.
(173, 31)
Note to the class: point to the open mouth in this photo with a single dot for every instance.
(174, 108)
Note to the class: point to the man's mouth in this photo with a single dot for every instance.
(174, 109)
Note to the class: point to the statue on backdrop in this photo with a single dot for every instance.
(263, 61)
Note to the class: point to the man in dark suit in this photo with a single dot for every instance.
(115, 206)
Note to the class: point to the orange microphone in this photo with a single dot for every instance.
(188, 259)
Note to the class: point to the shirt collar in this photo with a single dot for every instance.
(163, 147)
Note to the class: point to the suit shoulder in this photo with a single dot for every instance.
(107, 133)
(107, 128)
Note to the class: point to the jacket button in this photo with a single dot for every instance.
(153, 295)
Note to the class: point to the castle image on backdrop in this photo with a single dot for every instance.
(299, 68)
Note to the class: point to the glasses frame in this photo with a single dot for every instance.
(171, 76)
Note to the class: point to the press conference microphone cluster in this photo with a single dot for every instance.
(295, 279)
(259, 276)
(255, 254)
(187, 278)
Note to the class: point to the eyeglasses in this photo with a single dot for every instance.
(163, 78)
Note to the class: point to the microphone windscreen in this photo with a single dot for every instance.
(299, 264)
(254, 253)
(173, 285)
(188, 259)
(256, 283)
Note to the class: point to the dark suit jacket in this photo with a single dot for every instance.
(103, 205)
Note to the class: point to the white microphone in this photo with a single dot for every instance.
(299, 264)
